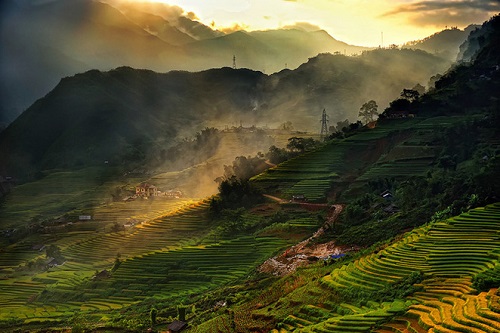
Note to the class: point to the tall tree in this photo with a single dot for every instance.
(410, 94)
(368, 111)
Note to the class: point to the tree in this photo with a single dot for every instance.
(368, 111)
(277, 155)
(341, 125)
(398, 105)
(287, 126)
(410, 94)
(419, 88)
(300, 145)
(53, 251)
(153, 314)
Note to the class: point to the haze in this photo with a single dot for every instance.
(359, 22)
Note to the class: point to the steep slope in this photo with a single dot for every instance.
(121, 108)
(146, 13)
(445, 43)
(42, 43)
(125, 107)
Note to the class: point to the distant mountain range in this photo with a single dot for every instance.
(45, 41)
(97, 116)
(42, 43)
(445, 43)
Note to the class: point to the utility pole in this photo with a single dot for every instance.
(324, 126)
(234, 62)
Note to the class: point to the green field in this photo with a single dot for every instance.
(449, 254)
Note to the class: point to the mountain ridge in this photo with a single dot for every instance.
(179, 103)
(86, 35)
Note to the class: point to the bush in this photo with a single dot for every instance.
(486, 280)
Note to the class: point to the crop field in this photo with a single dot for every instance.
(461, 246)
(55, 194)
(165, 257)
(448, 253)
(311, 174)
(399, 148)
(415, 154)
(449, 305)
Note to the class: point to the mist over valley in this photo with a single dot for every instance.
(161, 171)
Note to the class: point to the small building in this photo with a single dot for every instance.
(85, 217)
(53, 262)
(146, 190)
(299, 198)
(104, 274)
(176, 326)
(391, 209)
(173, 194)
(386, 194)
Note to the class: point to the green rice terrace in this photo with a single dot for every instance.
(133, 256)
(398, 149)
(434, 264)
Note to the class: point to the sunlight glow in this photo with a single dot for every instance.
(358, 22)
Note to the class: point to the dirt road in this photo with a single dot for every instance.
(297, 255)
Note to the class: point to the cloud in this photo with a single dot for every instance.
(192, 16)
(233, 28)
(304, 26)
(453, 12)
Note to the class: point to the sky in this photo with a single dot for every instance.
(358, 22)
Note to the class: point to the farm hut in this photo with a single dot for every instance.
(299, 198)
(391, 209)
(386, 194)
(104, 274)
(173, 194)
(176, 326)
(53, 262)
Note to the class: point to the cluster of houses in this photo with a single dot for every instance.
(49, 262)
(146, 191)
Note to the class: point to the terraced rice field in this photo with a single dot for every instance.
(311, 174)
(55, 194)
(461, 246)
(399, 149)
(86, 252)
(449, 305)
(163, 257)
(449, 253)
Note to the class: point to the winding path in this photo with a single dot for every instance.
(295, 256)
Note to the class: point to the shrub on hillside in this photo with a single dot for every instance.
(486, 280)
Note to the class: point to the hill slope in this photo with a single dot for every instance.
(64, 38)
(436, 167)
(446, 43)
(145, 111)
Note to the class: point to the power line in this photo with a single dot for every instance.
(324, 125)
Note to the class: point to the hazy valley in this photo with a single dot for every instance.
(156, 186)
